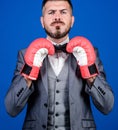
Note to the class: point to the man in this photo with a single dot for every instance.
(56, 83)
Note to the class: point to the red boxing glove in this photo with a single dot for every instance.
(85, 55)
(34, 56)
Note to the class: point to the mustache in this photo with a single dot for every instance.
(56, 22)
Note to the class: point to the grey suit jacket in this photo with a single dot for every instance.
(36, 97)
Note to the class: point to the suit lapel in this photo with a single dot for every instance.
(44, 74)
(72, 71)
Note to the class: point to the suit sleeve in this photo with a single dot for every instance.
(101, 92)
(18, 93)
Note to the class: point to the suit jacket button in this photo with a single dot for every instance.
(46, 105)
(44, 126)
(103, 93)
(56, 114)
(57, 91)
(56, 126)
(57, 103)
(58, 80)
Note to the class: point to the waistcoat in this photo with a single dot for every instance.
(58, 102)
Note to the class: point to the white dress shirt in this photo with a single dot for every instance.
(58, 59)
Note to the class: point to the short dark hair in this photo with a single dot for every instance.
(45, 1)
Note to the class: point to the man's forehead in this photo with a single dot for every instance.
(52, 5)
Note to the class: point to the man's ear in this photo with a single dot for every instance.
(73, 20)
(41, 20)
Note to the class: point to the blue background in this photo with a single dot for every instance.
(20, 24)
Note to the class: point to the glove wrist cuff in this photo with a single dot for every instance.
(30, 72)
(89, 71)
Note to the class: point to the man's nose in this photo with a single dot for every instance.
(57, 16)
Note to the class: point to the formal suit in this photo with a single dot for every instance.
(36, 96)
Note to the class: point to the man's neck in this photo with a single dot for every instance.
(57, 41)
(61, 42)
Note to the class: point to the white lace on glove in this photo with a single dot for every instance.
(80, 55)
(39, 57)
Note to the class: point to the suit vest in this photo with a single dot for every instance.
(58, 99)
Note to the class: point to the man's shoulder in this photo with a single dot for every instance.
(22, 50)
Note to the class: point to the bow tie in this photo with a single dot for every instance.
(59, 48)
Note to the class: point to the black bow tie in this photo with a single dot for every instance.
(59, 48)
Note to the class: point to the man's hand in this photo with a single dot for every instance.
(84, 53)
(34, 57)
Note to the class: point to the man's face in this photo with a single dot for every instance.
(57, 19)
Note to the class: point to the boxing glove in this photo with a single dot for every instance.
(85, 55)
(34, 56)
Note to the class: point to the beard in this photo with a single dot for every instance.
(57, 34)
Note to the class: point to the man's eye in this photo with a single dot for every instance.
(52, 12)
(63, 12)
